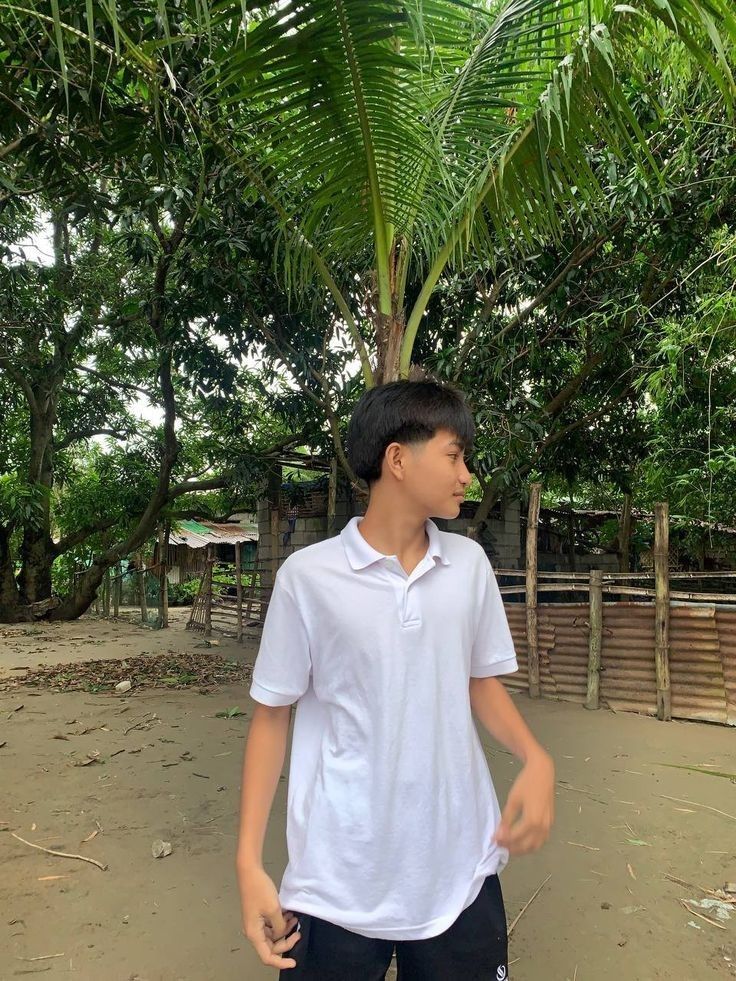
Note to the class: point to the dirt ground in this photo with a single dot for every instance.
(104, 775)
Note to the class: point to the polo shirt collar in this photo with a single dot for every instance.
(361, 554)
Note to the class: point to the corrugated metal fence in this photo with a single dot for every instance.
(702, 656)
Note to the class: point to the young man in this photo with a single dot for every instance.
(389, 637)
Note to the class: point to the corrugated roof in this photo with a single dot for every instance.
(199, 534)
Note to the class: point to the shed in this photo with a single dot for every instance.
(190, 542)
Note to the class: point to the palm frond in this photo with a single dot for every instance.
(334, 105)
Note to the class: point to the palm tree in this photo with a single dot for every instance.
(392, 139)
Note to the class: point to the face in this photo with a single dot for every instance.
(433, 474)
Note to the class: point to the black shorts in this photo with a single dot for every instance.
(474, 948)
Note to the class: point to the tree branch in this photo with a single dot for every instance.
(81, 535)
(78, 435)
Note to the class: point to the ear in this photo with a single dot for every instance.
(395, 461)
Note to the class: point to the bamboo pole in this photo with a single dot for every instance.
(142, 587)
(251, 591)
(117, 586)
(239, 587)
(106, 595)
(571, 538)
(615, 576)
(332, 498)
(274, 542)
(596, 639)
(532, 627)
(163, 583)
(624, 536)
(662, 610)
(209, 559)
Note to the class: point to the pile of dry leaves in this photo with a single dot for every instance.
(204, 670)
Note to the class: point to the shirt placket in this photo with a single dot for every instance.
(408, 595)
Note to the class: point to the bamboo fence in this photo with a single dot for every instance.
(632, 642)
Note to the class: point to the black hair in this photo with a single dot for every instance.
(404, 412)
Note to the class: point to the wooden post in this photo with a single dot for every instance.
(624, 536)
(106, 595)
(163, 587)
(662, 610)
(239, 587)
(209, 559)
(596, 638)
(117, 584)
(274, 501)
(142, 587)
(571, 538)
(532, 633)
(275, 521)
(332, 498)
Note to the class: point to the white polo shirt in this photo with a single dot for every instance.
(391, 807)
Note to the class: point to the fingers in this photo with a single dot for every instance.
(269, 940)
(275, 919)
(509, 814)
(290, 921)
(271, 951)
(527, 836)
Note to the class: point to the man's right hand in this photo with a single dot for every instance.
(265, 924)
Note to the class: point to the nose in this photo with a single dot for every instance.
(465, 475)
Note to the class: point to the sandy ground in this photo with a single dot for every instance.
(606, 911)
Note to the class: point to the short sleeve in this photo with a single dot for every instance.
(283, 665)
(493, 648)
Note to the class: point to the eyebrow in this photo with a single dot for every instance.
(458, 443)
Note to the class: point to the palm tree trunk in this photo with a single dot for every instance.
(389, 332)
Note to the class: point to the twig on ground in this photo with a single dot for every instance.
(527, 904)
(694, 803)
(714, 894)
(50, 851)
(40, 957)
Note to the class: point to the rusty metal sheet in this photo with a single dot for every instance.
(702, 656)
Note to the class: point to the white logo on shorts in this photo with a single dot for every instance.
(501, 973)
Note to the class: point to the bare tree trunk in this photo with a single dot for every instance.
(491, 495)
(36, 551)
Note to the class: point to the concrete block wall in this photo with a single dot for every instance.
(501, 539)
(559, 562)
(307, 531)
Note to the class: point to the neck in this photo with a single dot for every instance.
(394, 526)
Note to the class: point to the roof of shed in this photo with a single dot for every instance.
(199, 534)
